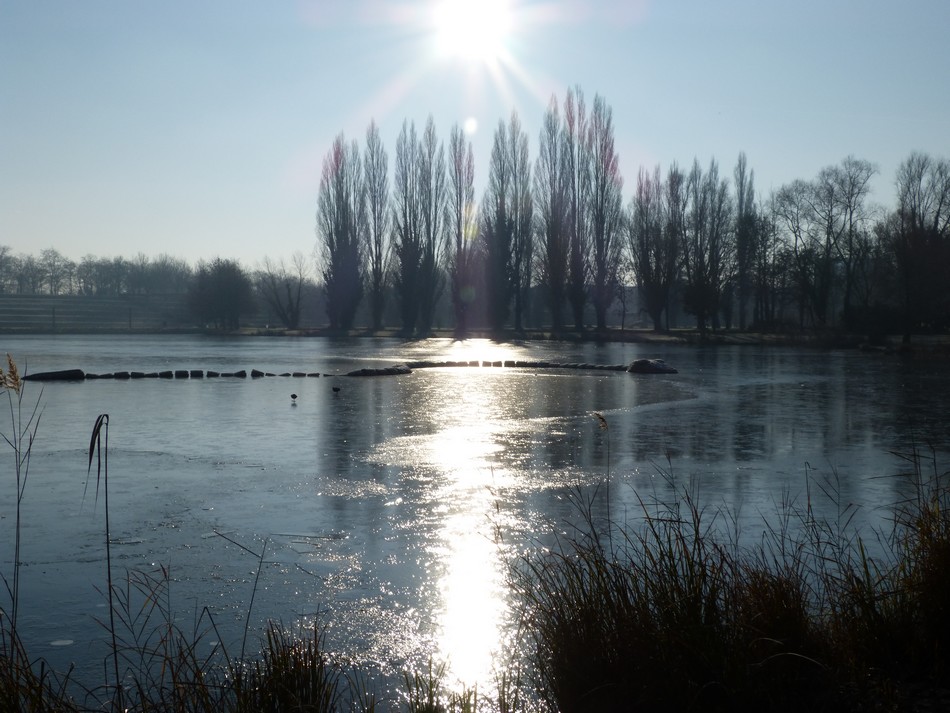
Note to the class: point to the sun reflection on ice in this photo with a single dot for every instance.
(483, 350)
(466, 452)
(472, 590)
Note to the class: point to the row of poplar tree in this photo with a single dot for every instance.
(813, 254)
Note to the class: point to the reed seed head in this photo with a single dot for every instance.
(10, 379)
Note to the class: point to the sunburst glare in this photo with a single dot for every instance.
(472, 30)
(475, 45)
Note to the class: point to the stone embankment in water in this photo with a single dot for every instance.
(639, 366)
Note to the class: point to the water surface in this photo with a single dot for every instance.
(393, 506)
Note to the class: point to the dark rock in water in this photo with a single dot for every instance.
(240, 374)
(150, 375)
(383, 371)
(286, 373)
(62, 375)
(137, 374)
(107, 376)
(92, 376)
(315, 374)
(122, 375)
(181, 373)
(256, 374)
(212, 374)
(298, 374)
(196, 374)
(650, 366)
(165, 374)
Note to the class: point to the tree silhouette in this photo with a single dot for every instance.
(606, 210)
(576, 168)
(281, 287)
(432, 197)
(521, 208)
(707, 249)
(462, 226)
(407, 227)
(496, 232)
(341, 225)
(376, 180)
(653, 248)
(551, 201)
(220, 294)
(920, 235)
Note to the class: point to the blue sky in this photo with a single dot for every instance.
(198, 128)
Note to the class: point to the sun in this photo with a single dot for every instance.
(472, 30)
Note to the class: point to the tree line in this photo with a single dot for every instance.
(553, 244)
(219, 293)
(815, 254)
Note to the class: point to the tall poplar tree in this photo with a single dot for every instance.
(496, 232)
(341, 227)
(462, 228)
(576, 167)
(432, 197)
(378, 215)
(552, 210)
(407, 227)
(606, 209)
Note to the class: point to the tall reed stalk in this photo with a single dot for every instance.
(24, 424)
(99, 449)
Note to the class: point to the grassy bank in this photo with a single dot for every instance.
(667, 611)
(675, 615)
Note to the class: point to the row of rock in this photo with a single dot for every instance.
(517, 364)
(639, 366)
(383, 371)
(80, 375)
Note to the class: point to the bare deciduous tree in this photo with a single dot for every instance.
(496, 232)
(852, 178)
(432, 193)
(576, 167)
(551, 202)
(652, 246)
(606, 209)
(707, 250)
(921, 239)
(462, 226)
(281, 286)
(521, 207)
(376, 179)
(221, 293)
(827, 224)
(56, 270)
(341, 226)
(407, 227)
(745, 234)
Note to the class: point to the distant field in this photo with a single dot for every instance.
(47, 313)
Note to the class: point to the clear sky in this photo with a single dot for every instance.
(197, 128)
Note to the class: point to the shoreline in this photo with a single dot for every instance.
(921, 345)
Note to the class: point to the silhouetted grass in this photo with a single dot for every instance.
(678, 617)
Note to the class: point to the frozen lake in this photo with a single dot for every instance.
(395, 504)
